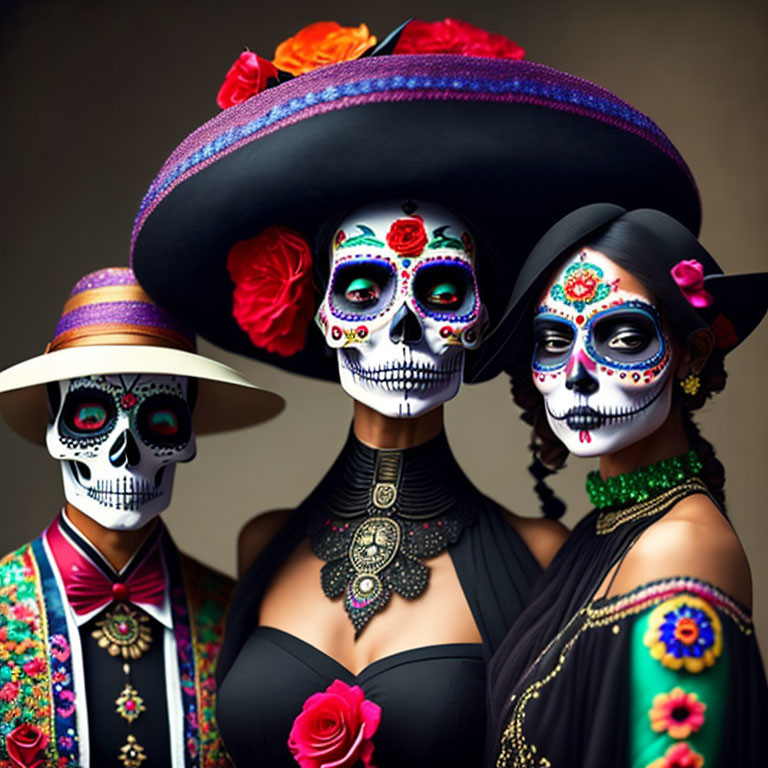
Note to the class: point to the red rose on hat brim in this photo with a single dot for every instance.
(273, 299)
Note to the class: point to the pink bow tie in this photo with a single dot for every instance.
(88, 588)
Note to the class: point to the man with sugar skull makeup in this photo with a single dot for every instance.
(407, 188)
(108, 635)
(639, 637)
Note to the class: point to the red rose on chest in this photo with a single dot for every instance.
(26, 745)
(335, 728)
(407, 237)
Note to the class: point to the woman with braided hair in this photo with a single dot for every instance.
(637, 648)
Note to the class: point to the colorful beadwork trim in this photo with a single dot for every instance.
(36, 684)
(684, 632)
(199, 600)
(602, 612)
(395, 78)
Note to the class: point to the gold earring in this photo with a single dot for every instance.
(691, 383)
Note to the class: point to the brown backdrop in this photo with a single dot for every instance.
(96, 94)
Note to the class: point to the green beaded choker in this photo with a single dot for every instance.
(643, 483)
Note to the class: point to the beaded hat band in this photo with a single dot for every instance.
(110, 325)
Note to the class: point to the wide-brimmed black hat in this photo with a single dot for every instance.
(509, 145)
(687, 282)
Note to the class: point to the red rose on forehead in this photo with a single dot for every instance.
(334, 728)
(26, 745)
(407, 237)
(273, 300)
(455, 36)
(246, 77)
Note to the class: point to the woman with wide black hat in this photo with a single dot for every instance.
(638, 646)
(407, 181)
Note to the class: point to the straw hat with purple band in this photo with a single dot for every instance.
(109, 325)
(510, 145)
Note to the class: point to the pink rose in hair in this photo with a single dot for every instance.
(689, 276)
(335, 728)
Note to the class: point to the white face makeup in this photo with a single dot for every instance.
(601, 358)
(118, 439)
(402, 305)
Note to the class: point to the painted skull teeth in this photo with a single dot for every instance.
(586, 417)
(123, 493)
(118, 438)
(601, 357)
(403, 376)
(402, 305)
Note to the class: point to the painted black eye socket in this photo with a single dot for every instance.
(87, 412)
(362, 286)
(553, 341)
(626, 337)
(444, 288)
(163, 420)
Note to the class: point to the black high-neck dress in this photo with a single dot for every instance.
(432, 698)
(666, 676)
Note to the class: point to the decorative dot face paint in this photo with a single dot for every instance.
(601, 358)
(118, 439)
(402, 305)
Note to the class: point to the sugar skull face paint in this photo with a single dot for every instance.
(601, 358)
(402, 305)
(118, 439)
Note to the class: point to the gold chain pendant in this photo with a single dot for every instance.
(124, 630)
(132, 753)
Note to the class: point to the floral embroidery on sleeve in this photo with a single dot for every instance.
(685, 632)
(679, 756)
(677, 713)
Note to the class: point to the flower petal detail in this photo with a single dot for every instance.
(334, 728)
(321, 44)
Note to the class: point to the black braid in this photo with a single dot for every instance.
(549, 454)
(713, 378)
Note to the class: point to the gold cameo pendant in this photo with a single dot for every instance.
(123, 631)
(373, 547)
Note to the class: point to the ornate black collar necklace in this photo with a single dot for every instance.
(378, 515)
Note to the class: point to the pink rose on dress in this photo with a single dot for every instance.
(25, 745)
(335, 728)
(689, 276)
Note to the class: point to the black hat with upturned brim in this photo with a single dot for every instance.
(511, 146)
(734, 304)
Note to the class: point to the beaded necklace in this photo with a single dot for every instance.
(643, 483)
